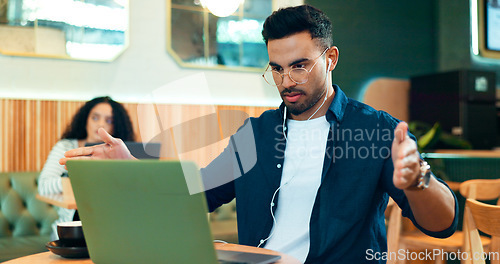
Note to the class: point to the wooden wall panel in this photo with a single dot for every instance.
(30, 128)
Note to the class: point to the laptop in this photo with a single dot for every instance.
(141, 211)
(139, 150)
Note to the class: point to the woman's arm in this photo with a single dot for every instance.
(50, 178)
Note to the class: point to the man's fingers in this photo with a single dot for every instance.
(401, 132)
(85, 151)
(408, 153)
(405, 157)
(64, 160)
(409, 148)
(106, 137)
(410, 163)
(78, 153)
(410, 159)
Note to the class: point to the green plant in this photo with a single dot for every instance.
(433, 137)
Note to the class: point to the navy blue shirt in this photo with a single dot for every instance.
(347, 219)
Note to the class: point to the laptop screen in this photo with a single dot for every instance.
(142, 212)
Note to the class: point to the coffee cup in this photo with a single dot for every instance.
(71, 233)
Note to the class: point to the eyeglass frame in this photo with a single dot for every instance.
(288, 73)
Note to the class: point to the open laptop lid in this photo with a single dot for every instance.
(141, 211)
(140, 150)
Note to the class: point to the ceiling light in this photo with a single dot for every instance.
(222, 8)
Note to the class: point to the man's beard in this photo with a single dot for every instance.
(296, 108)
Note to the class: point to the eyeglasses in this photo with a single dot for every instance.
(297, 75)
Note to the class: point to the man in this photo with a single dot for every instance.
(326, 164)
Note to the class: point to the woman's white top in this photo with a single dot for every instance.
(49, 181)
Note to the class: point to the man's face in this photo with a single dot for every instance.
(299, 51)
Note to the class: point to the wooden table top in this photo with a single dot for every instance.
(50, 258)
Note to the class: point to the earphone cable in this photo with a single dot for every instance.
(281, 186)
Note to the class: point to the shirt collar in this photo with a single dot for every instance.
(337, 107)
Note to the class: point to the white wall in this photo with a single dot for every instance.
(144, 67)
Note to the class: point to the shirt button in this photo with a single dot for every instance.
(278, 166)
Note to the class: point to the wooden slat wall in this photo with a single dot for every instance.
(29, 129)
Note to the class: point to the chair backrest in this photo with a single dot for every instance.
(390, 95)
(481, 189)
(478, 189)
(484, 217)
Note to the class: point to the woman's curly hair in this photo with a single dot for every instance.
(122, 127)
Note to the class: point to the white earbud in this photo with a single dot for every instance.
(329, 64)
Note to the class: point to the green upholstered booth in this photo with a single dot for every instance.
(25, 222)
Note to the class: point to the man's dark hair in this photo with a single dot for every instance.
(122, 127)
(292, 20)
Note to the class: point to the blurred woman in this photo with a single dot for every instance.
(96, 113)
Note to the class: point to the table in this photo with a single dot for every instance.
(456, 166)
(465, 153)
(462, 165)
(58, 200)
(50, 258)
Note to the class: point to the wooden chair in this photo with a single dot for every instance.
(392, 216)
(415, 240)
(484, 217)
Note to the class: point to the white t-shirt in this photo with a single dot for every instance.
(301, 178)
